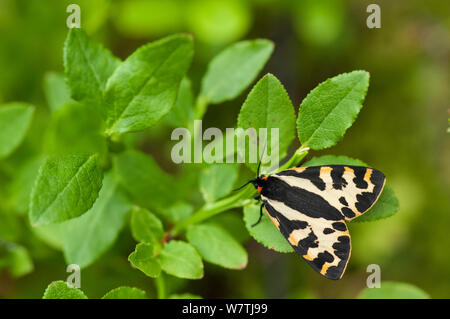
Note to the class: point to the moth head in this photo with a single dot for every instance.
(259, 182)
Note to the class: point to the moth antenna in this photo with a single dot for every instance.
(257, 171)
(260, 159)
(236, 189)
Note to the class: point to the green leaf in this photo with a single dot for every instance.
(183, 113)
(60, 290)
(146, 227)
(74, 129)
(88, 65)
(90, 235)
(15, 258)
(320, 23)
(125, 293)
(148, 184)
(217, 246)
(330, 109)
(143, 88)
(51, 234)
(23, 182)
(386, 205)
(232, 70)
(216, 23)
(15, 119)
(232, 222)
(56, 90)
(394, 290)
(268, 106)
(178, 212)
(143, 258)
(66, 187)
(20, 262)
(184, 296)
(180, 259)
(265, 232)
(148, 19)
(217, 180)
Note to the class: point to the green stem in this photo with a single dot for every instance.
(299, 154)
(115, 144)
(160, 286)
(211, 209)
(201, 105)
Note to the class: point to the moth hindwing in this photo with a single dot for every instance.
(309, 205)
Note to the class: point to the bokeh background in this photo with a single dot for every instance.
(402, 129)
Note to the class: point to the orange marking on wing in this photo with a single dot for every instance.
(348, 169)
(325, 169)
(357, 213)
(308, 257)
(298, 169)
(292, 240)
(367, 176)
(275, 221)
(324, 269)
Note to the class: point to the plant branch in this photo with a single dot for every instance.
(236, 200)
(201, 105)
(160, 286)
(299, 154)
(211, 209)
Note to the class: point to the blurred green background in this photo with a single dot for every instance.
(402, 129)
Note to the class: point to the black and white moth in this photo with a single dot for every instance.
(309, 205)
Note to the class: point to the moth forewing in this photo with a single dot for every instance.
(309, 205)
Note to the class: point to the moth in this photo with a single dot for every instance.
(310, 207)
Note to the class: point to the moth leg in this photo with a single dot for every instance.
(260, 215)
